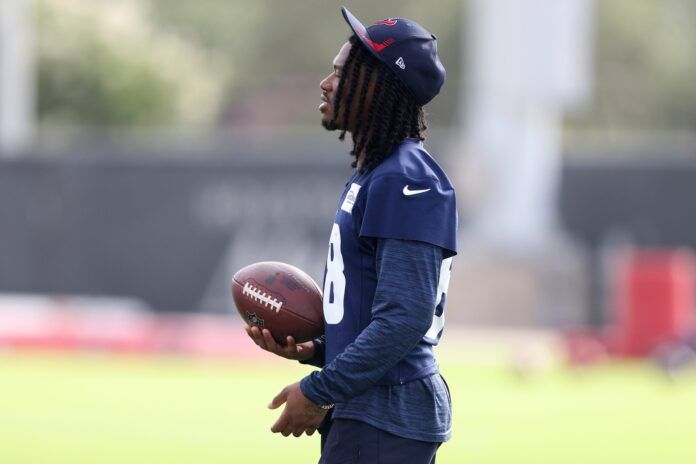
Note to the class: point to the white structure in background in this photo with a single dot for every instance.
(529, 60)
(17, 77)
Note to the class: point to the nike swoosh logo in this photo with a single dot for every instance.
(408, 192)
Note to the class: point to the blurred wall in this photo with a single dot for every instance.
(169, 231)
(173, 228)
(170, 225)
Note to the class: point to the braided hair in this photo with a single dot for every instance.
(392, 116)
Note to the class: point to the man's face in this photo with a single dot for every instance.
(329, 86)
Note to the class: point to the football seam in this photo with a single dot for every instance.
(290, 312)
(257, 294)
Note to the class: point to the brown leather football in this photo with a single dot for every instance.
(281, 298)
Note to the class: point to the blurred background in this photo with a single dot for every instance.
(150, 148)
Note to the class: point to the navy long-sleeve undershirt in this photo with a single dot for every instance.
(402, 312)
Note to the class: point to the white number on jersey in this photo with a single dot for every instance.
(335, 285)
(335, 281)
(439, 321)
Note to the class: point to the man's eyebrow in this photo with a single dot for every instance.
(337, 67)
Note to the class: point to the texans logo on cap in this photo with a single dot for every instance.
(378, 47)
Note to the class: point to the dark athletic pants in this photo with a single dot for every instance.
(350, 441)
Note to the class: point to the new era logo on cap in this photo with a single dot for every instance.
(400, 63)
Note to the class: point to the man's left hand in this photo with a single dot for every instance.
(300, 414)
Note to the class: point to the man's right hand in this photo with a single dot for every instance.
(295, 351)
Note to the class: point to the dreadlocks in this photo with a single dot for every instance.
(392, 116)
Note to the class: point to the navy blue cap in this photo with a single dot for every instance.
(407, 49)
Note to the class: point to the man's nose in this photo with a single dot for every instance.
(325, 84)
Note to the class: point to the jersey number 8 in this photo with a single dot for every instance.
(335, 285)
(335, 281)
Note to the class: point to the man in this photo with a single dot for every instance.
(388, 262)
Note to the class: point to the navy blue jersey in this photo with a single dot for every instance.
(407, 197)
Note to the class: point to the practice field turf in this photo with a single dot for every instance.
(100, 409)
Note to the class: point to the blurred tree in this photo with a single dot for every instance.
(646, 60)
(224, 62)
(278, 52)
(102, 63)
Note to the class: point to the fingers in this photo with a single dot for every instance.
(264, 339)
(256, 335)
(292, 347)
(279, 399)
(286, 428)
(294, 350)
(289, 429)
(271, 344)
(280, 424)
(297, 430)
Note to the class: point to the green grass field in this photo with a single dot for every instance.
(100, 409)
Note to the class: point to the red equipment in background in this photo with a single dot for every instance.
(654, 299)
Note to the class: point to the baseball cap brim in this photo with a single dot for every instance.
(359, 30)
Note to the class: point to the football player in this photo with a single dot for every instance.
(379, 396)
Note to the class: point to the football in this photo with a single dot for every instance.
(281, 298)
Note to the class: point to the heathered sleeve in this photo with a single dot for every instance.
(402, 312)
